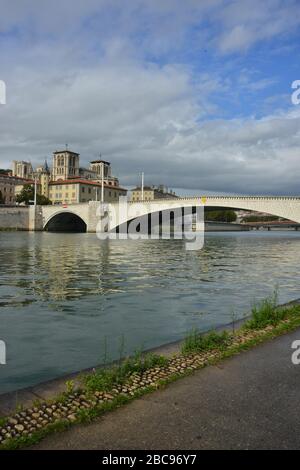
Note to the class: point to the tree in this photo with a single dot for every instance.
(221, 215)
(27, 195)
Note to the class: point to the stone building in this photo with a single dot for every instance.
(67, 182)
(7, 189)
(65, 165)
(43, 176)
(102, 167)
(150, 193)
(22, 169)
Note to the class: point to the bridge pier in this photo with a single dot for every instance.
(35, 218)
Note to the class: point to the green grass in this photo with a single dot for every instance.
(266, 313)
(105, 379)
(197, 342)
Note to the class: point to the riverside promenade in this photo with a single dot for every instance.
(250, 401)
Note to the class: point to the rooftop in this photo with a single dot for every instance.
(66, 151)
(100, 161)
(83, 181)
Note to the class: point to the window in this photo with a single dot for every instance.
(83, 189)
(90, 190)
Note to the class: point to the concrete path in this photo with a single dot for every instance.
(249, 401)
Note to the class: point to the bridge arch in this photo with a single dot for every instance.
(65, 221)
(281, 206)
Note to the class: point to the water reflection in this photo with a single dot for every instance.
(61, 294)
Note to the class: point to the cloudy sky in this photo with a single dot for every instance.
(197, 94)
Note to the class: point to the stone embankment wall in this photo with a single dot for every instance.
(225, 227)
(14, 218)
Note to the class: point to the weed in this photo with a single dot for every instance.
(196, 342)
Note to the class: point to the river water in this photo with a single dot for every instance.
(69, 301)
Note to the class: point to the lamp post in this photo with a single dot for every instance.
(35, 191)
(102, 183)
(142, 186)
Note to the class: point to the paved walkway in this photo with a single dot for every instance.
(249, 401)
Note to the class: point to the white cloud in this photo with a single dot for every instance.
(85, 75)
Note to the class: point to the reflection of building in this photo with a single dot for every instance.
(22, 169)
(74, 191)
(151, 192)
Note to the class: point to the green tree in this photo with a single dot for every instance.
(260, 218)
(221, 215)
(27, 195)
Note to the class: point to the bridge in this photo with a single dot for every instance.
(93, 216)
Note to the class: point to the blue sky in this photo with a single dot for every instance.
(195, 94)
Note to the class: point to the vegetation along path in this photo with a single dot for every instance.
(250, 400)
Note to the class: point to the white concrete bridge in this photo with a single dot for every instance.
(88, 216)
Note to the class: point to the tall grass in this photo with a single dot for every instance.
(105, 379)
(266, 313)
(197, 342)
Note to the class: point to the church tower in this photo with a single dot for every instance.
(65, 165)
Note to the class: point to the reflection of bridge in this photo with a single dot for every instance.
(86, 217)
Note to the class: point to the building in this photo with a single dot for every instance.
(150, 193)
(68, 182)
(102, 168)
(21, 182)
(43, 176)
(22, 169)
(77, 190)
(11, 186)
(87, 174)
(7, 189)
(65, 165)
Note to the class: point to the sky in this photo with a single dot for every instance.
(195, 94)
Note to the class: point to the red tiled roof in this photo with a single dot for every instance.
(82, 181)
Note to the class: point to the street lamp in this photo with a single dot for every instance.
(142, 186)
(35, 190)
(102, 183)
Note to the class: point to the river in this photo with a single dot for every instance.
(71, 301)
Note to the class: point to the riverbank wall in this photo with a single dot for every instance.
(21, 218)
(14, 218)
